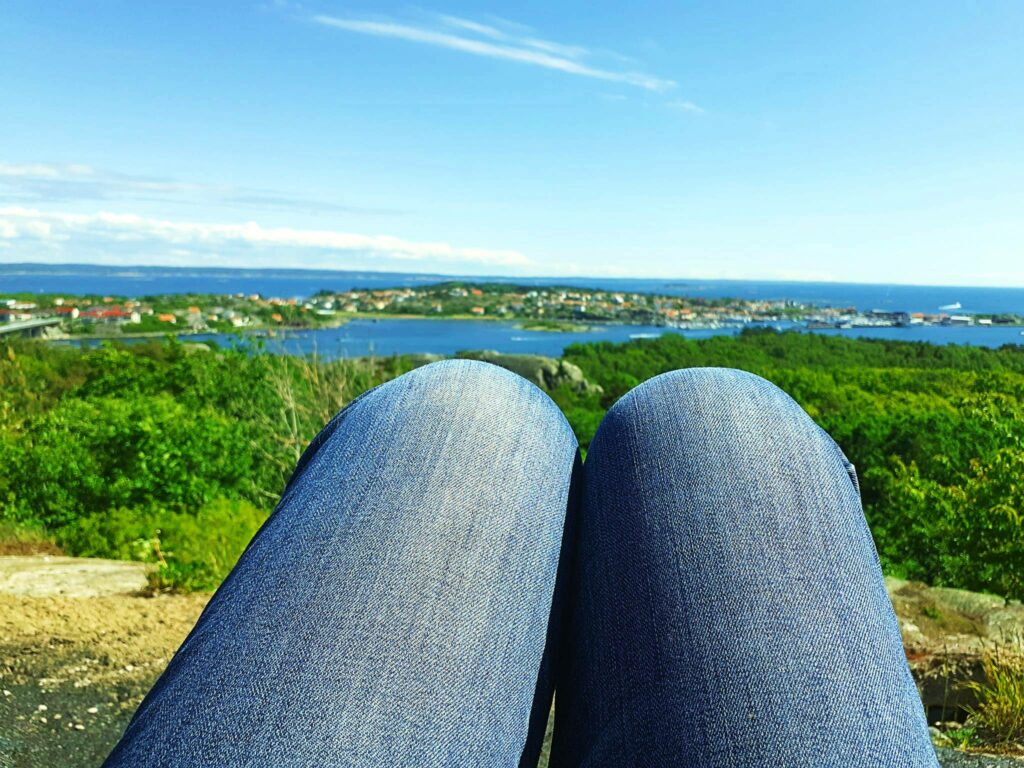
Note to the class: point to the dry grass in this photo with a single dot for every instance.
(999, 713)
(18, 539)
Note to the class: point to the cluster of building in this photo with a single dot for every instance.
(880, 318)
(108, 311)
(177, 314)
(239, 310)
(554, 303)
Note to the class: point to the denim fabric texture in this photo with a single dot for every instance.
(727, 607)
(703, 592)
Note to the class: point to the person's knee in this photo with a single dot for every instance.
(469, 384)
(713, 411)
(718, 442)
(476, 396)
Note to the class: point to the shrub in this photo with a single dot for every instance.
(189, 551)
(969, 535)
(89, 455)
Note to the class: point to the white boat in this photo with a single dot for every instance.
(955, 305)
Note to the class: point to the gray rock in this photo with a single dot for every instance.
(547, 373)
(945, 632)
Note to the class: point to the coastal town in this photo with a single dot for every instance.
(535, 308)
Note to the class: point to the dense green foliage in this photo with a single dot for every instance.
(174, 454)
(192, 550)
(117, 449)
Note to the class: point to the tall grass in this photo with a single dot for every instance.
(26, 539)
(999, 713)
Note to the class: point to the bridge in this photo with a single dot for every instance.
(29, 327)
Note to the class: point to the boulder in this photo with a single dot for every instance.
(945, 634)
(548, 373)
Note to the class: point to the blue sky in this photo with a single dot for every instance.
(868, 141)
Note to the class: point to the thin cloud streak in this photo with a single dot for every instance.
(687, 106)
(498, 45)
(50, 183)
(567, 51)
(20, 224)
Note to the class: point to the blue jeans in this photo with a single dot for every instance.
(704, 592)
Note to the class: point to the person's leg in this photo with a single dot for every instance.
(394, 609)
(727, 606)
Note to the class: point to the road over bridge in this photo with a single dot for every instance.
(29, 327)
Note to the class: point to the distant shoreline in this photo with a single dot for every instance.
(272, 331)
(269, 330)
(580, 327)
(238, 311)
(124, 271)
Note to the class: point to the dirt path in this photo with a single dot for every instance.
(51, 576)
(80, 646)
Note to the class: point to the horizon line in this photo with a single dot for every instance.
(502, 278)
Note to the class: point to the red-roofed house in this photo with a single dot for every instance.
(114, 314)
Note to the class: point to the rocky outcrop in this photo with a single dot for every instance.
(945, 632)
(75, 577)
(548, 373)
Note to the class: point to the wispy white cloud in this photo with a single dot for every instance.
(133, 234)
(38, 183)
(467, 36)
(687, 106)
(525, 40)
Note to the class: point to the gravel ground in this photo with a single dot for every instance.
(950, 758)
(73, 670)
(79, 648)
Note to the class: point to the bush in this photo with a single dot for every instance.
(89, 455)
(189, 551)
(969, 535)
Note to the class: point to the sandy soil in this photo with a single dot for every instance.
(74, 665)
(55, 576)
(80, 645)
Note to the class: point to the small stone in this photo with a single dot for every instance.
(79, 727)
(93, 710)
(6, 692)
(42, 719)
(57, 716)
(41, 708)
